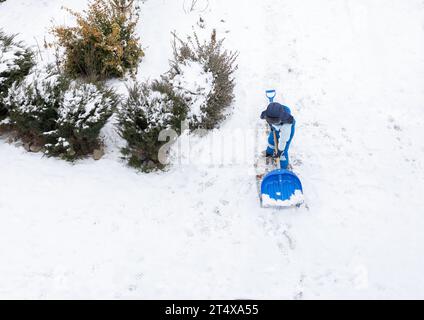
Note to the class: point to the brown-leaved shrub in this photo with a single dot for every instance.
(103, 44)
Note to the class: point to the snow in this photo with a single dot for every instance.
(8, 58)
(296, 199)
(352, 73)
(195, 85)
(5, 121)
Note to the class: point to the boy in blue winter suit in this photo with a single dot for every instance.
(282, 126)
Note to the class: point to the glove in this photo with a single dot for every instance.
(273, 155)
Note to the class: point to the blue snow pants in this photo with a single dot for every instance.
(284, 155)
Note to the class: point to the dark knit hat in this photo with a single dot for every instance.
(277, 114)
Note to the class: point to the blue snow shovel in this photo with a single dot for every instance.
(280, 188)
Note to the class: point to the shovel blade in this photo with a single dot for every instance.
(281, 188)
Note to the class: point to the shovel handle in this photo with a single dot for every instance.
(277, 160)
(271, 94)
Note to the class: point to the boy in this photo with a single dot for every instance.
(282, 126)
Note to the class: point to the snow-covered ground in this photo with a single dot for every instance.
(351, 70)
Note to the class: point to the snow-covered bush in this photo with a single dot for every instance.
(34, 102)
(195, 85)
(83, 112)
(103, 44)
(203, 74)
(15, 62)
(61, 116)
(150, 108)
